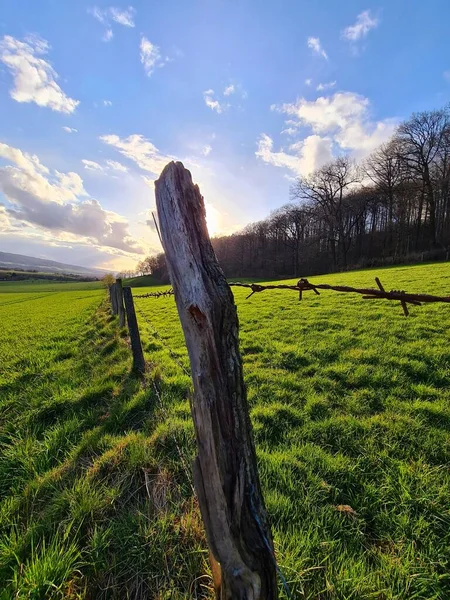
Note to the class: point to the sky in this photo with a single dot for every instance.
(95, 98)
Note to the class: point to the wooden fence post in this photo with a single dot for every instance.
(120, 308)
(113, 298)
(133, 329)
(225, 471)
(110, 296)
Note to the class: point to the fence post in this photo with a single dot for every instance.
(113, 298)
(135, 338)
(119, 299)
(225, 471)
(110, 295)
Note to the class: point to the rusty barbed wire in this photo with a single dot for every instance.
(304, 285)
(155, 294)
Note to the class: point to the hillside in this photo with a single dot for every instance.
(30, 263)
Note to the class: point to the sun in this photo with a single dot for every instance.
(212, 219)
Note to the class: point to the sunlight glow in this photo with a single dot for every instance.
(213, 219)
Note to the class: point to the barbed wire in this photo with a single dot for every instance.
(154, 294)
(304, 285)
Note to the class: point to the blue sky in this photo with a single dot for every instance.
(96, 97)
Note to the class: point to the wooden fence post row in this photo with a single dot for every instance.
(225, 471)
(135, 338)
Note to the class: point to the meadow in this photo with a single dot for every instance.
(350, 404)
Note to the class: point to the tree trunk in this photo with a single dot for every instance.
(225, 471)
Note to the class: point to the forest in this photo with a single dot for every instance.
(390, 208)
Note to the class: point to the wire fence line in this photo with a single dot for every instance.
(183, 460)
(304, 285)
(163, 342)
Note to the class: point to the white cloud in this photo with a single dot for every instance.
(325, 86)
(70, 129)
(289, 131)
(364, 23)
(34, 77)
(446, 75)
(91, 165)
(341, 122)
(149, 181)
(117, 166)
(230, 89)
(98, 14)
(206, 150)
(107, 103)
(345, 116)
(303, 158)
(53, 202)
(108, 35)
(110, 15)
(150, 56)
(315, 45)
(32, 176)
(308, 81)
(212, 103)
(123, 17)
(5, 223)
(140, 150)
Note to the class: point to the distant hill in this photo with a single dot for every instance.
(30, 263)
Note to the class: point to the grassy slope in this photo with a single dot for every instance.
(27, 287)
(141, 281)
(350, 404)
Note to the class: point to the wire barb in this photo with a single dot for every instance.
(304, 285)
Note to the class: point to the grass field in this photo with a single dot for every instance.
(350, 403)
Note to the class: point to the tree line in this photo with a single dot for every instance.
(392, 207)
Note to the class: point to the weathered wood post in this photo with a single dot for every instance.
(225, 470)
(119, 300)
(133, 329)
(110, 296)
(113, 299)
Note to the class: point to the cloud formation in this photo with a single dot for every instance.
(325, 86)
(341, 123)
(34, 78)
(230, 89)
(70, 129)
(150, 56)
(57, 202)
(111, 14)
(364, 23)
(116, 166)
(140, 150)
(91, 165)
(304, 156)
(315, 45)
(345, 116)
(212, 103)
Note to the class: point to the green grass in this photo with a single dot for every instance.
(141, 281)
(40, 285)
(350, 403)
